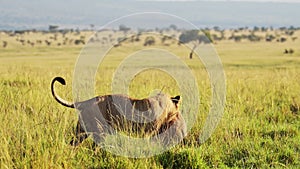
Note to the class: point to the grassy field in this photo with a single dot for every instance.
(260, 127)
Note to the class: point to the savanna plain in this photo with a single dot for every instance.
(260, 127)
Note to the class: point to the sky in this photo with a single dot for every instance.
(285, 1)
(39, 14)
(257, 0)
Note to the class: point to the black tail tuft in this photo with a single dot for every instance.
(56, 97)
(60, 80)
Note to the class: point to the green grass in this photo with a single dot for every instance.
(260, 127)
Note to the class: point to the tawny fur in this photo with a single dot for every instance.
(157, 116)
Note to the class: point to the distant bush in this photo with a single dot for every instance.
(149, 41)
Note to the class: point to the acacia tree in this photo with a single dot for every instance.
(53, 28)
(124, 28)
(193, 37)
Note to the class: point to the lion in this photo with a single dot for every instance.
(156, 117)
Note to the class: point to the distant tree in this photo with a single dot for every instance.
(53, 28)
(193, 36)
(137, 37)
(281, 39)
(172, 26)
(149, 41)
(79, 41)
(282, 28)
(165, 38)
(124, 28)
(4, 44)
(270, 38)
(188, 36)
(289, 32)
(292, 28)
(253, 38)
(255, 29)
(237, 38)
(19, 32)
(264, 29)
(216, 28)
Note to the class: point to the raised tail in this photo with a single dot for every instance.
(56, 97)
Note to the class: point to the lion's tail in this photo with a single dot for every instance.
(56, 97)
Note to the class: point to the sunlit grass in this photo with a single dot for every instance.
(259, 129)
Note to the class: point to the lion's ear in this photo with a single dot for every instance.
(175, 99)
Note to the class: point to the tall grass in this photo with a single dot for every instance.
(260, 127)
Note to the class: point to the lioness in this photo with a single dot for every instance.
(149, 117)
